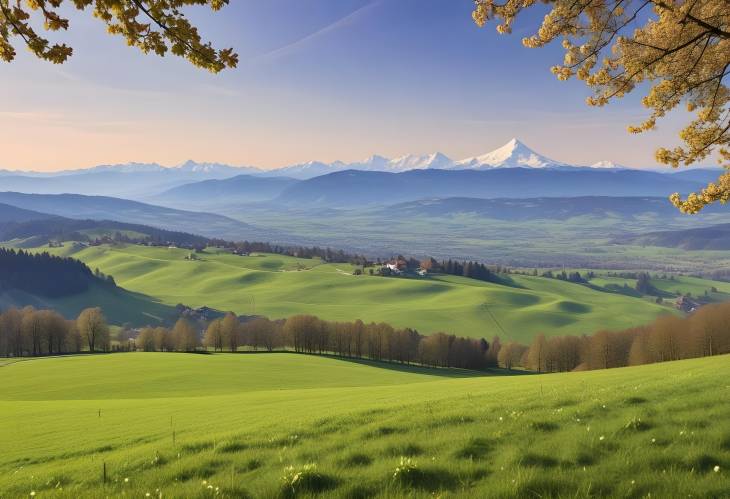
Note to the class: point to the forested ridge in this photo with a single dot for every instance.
(67, 229)
(44, 274)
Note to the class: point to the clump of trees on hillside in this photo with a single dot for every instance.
(31, 332)
(704, 333)
(183, 337)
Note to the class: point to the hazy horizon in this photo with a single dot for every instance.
(315, 160)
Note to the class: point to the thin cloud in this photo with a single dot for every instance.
(298, 44)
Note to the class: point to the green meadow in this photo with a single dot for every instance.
(279, 286)
(284, 425)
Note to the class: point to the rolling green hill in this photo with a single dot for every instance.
(279, 286)
(231, 425)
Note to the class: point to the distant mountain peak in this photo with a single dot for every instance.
(510, 155)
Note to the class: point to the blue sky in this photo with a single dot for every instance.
(318, 79)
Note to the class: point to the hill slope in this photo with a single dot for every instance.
(211, 193)
(39, 232)
(122, 210)
(135, 180)
(119, 305)
(13, 214)
(175, 424)
(279, 286)
(715, 237)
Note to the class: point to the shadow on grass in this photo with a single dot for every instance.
(444, 372)
(447, 372)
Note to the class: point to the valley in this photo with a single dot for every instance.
(279, 286)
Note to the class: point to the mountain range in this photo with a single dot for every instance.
(511, 155)
(353, 188)
(513, 170)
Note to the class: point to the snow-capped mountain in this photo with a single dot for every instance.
(513, 154)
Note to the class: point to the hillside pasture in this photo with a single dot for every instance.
(280, 286)
(242, 425)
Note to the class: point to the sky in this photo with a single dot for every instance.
(317, 80)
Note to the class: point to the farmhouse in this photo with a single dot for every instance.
(393, 267)
(686, 304)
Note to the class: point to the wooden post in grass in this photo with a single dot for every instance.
(99, 412)
(103, 471)
(173, 438)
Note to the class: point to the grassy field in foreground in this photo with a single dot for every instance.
(279, 286)
(240, 421)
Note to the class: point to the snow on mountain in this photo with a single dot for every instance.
(513, 154)
(121, 168)
(608, 164)
(306, 170)
(374, 163)
(435, 160)
(215, 168)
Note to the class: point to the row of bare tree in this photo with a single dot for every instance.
(30, 332)
(309, 334)
(27, 332)
(706, 332)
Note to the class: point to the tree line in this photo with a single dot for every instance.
(32, 332)
(472, 270)
(45, 274)
(704, 333)
(326, 254)
(27, 332)
(374, 341)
